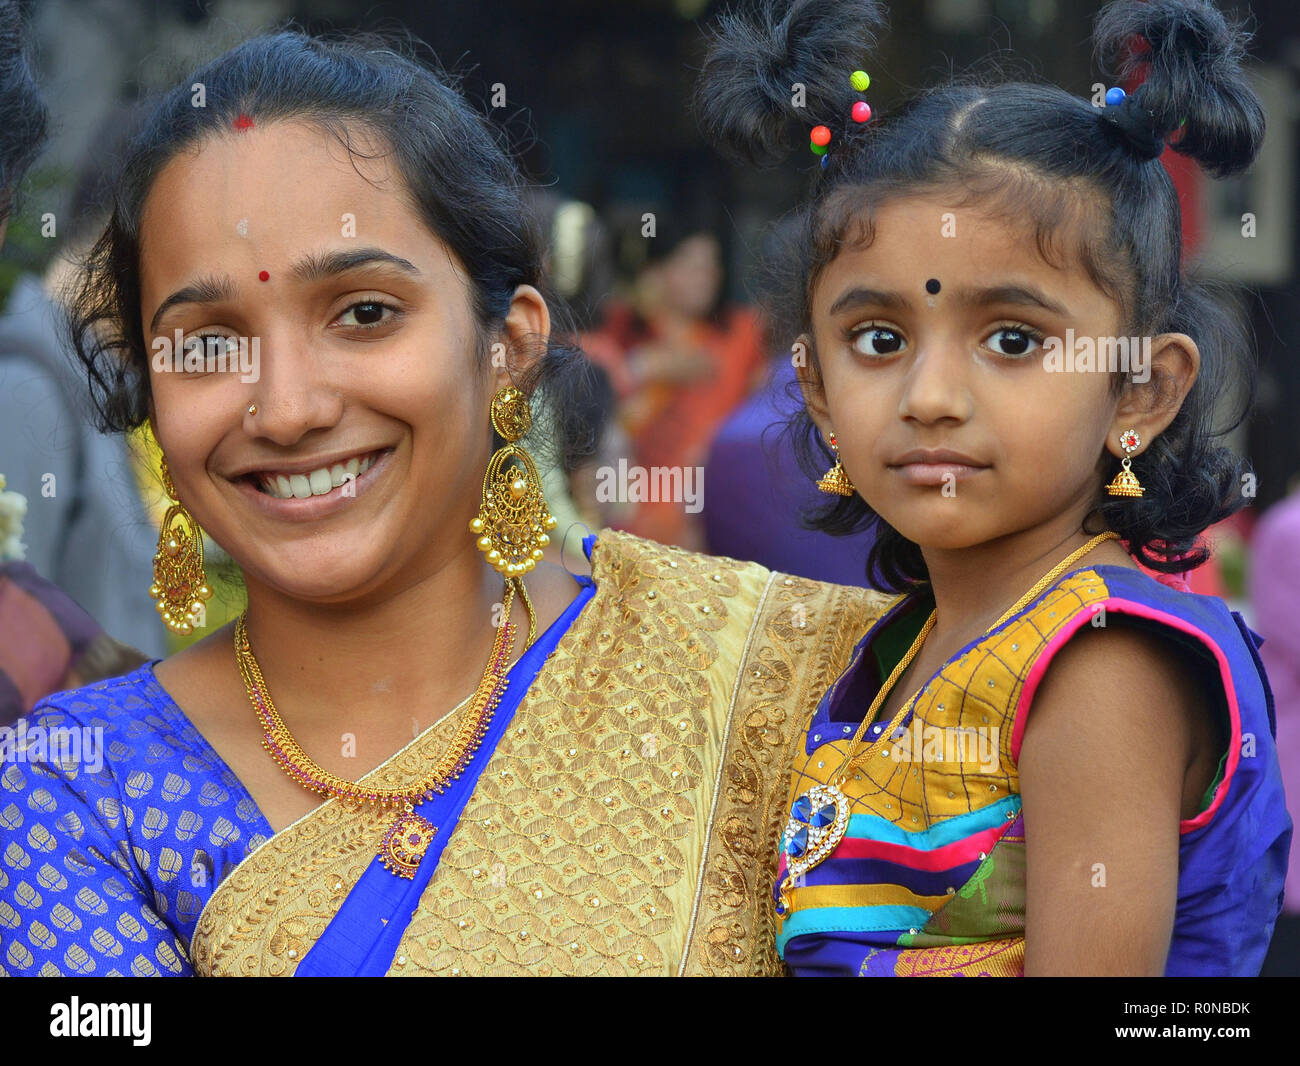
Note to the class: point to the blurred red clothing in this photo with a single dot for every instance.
(675, 387)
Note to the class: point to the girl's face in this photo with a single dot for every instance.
(930, 340)
(366, 351)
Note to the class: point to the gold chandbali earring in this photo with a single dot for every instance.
(180, 586)
(1125, 482)
(836, 480)
(512, 519)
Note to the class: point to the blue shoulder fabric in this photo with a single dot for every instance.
(117, 820)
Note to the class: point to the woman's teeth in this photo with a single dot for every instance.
(317, 483)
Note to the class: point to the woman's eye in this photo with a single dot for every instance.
(368, 313)
(877, 340)
(211, 346)
(1014, 341)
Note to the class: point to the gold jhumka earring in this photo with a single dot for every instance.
(512, 520)
(836, 480)
(1125, 483)
(180, 586)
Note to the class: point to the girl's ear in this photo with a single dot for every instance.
(810, 381)
(524, 334)
(1152, 399)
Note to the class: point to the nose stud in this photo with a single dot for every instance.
(252, 408)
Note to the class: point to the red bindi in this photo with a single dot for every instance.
(263, 276)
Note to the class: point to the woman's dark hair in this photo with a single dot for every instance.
(1031, 152)
(457, 169)
(22, 130)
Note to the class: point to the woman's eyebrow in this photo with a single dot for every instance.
(209, 290)
(328, 264)
(214, 289)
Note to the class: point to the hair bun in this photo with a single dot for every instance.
(758, 54)
(1136, 128)
(1194, 82)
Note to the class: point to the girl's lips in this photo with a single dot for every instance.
(930, 474)
(314, 507)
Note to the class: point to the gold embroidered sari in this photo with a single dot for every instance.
(628, 821)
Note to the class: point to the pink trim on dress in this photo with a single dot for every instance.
(1144, 611)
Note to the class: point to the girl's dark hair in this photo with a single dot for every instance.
(1031, 152)
(22, 130)
(457, 169)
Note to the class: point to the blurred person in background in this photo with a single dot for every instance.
(1275, 596)
(758, 492)
(680, 360)
(48, 639)
(86, 526)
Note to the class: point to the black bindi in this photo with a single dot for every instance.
(932, 286)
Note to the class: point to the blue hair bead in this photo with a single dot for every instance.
(1115, 96)
(826, 161)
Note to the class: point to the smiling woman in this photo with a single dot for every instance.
(310, 790)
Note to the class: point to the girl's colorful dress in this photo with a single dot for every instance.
(622, 817)
(929, 879)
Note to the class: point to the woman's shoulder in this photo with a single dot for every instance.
(107, 735)
(673, 611)
(663, 574)
(134, 698)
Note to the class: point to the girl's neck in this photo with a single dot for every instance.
(974, 587)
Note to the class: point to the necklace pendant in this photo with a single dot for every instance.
(405, 843)
(817, 823)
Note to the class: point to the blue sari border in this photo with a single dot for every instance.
(363, 936)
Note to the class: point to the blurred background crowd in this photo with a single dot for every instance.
(657, 246)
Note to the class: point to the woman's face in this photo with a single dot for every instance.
(961, 369)
(688, 281)
(361, 322)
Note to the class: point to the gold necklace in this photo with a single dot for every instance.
(820, 816)
(409, 836)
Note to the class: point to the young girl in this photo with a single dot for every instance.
(1040, 760)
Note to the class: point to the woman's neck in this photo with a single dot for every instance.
(422, 641)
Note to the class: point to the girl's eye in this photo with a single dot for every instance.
(877, 341)
(367, 314)
(1014, 341)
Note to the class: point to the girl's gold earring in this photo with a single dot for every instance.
(836, 480)
(1125, 483)
(513, 519)
(180, 586)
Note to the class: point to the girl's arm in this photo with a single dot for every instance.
(1103, 766)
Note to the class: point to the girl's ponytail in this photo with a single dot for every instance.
(1193, 58)
(749, 89)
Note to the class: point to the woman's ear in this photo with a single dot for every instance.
(810, 381)
(1155, 394)
(524, 335)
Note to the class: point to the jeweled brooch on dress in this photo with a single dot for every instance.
(405, 843)
(818, 820)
